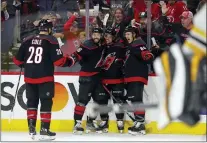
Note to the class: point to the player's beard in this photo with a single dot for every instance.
(96, 40)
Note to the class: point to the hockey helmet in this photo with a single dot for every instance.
(97, 30)
(45, 24)
(110, 31)
(131, 29)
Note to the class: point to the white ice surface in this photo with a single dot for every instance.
(18, 136)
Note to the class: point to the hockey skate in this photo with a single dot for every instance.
(32, 130)
(102, 127)
(45, 133)
(120, 126)
(78, 127)
(137, 129)
(91, 125)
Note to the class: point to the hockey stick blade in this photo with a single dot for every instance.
(106, 17)
(138, 107)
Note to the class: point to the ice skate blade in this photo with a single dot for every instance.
(142, 132)
(105, 130)
(77, 132)
(32, 136)
(46, 138)
(99, 132)
(121, 131)
(102, 131)
(88, 131)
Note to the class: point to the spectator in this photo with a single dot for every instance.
(173, 9)
(65, 5)
(4, 12)
(121, 21)
(45, 5)
(71, 32)
(187, 24)
(155, 10)
(141, 6)
(7, 26)
(29, 7)
(159, 32)
(103, 4)
(82, 37)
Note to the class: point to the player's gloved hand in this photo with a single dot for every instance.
(75, 57)
(21, 66)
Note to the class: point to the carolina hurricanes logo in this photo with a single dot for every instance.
(170, 18)
(127, 56)
(100, 62)
(110, 58)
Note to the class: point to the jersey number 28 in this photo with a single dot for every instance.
(35, 55)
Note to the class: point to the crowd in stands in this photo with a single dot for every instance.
(168, 16)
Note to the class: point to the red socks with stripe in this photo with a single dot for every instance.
(78, 112)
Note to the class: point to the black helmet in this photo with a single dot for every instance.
(45, 24)
(97, 30)
(111, 31)
(129, 29)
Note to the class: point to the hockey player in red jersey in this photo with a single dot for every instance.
(37, 55)
(136, 74)
(90, 54)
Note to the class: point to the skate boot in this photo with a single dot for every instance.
(120, 126)
(137, 128)
(78, 127)
(102, 127)
(45, 133)
(91, 125)
(32, 130)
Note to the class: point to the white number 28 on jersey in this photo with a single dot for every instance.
(35, 55)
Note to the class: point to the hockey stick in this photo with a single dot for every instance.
(106, 17)
(12, 109)
(130, 116)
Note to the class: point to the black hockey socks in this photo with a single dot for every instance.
(120, 116)
(104, 117)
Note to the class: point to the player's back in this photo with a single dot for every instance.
(38, 63)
